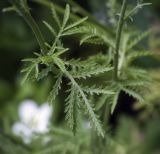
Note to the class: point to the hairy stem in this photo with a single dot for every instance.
(24, 11)
(40, 39)
(135, 9)
(118, 39)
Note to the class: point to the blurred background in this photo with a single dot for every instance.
(133, 123)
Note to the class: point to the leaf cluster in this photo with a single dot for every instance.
(132, 79)
(73, 70)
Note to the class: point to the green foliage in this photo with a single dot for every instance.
(11, 145)
(95, 81)
(133, 11)
(77, 97)
(92, 35)
(137, 39)
(56, 88)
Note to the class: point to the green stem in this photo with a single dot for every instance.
(24, 11)
(40, 39)
(134, 10)
(118, 39)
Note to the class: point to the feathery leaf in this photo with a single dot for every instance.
(50, 28)
(71, 109)
(77, 23)
(138, 39)
(55, 16)
(55, 89)
(66, 16)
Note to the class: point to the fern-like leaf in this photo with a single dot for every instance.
(85, 30)
(71, 109)
(75, 24)
(138, 39)
(136, 83)
(30, 71)
(27, 72)
(66, 16)
(88, 72)
(50, 28)
(97, 90)
(133, 93)
(44, 73)
(114, 101)
(55, 16)
(85, 38)
(89, 109)
(55, 89)
(134, 55)
(101, 102)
